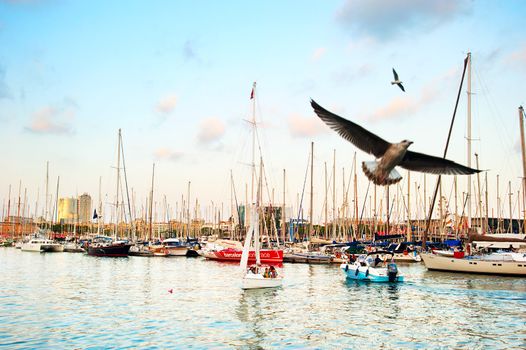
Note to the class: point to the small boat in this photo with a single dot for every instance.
(175, 247)
(140, 250)
(73, 247)
(261, 276)
(366, 268)
(106, 246)
(257, 276)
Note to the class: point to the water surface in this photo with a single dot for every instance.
(66, 300)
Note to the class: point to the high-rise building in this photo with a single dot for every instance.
(67, 209)
(85, 208)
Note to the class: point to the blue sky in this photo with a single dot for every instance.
(176, 76)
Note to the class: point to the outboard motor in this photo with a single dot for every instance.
(392, 272)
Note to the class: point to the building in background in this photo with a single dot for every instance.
(84, 209)
(71, 210)
(67, 210)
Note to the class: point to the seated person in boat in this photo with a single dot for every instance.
(352, 258)
(267, 273)
(273, 273)
(377, 261)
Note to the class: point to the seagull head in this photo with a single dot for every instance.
(406, 143)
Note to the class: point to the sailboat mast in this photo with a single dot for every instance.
(326, 202)
(100, 206)
(311, 216)
(115, 232)
(188, 212)
(469, 137)
(409, 230)
(484, 229)
(283, 217)
(253, 164)
(150, 228)
(334, 221)
(47, 194)
(523, 149)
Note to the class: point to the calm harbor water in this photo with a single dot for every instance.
(65, 300)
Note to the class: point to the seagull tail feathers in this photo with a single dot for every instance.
(369, 168)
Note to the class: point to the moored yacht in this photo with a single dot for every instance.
(38, 244)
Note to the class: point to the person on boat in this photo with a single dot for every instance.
(267, 273)
(273, 273)
(377, 261)
(352, 258)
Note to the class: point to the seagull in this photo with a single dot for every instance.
(389, 155)
(397, 81)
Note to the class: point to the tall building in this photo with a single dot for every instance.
(67, 210)
(85, 208)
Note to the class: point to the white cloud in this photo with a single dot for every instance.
(51, 120)
(167, 154)
(306, 126)
(166, 104)
(210, 130)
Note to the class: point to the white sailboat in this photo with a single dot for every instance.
(257, 276)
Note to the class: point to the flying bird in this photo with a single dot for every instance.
(389, 155)
(397, 81)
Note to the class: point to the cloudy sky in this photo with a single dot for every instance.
(176, 77)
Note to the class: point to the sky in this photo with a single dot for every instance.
(176, 78)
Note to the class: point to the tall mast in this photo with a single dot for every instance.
(469, 137)
(409, 231)
(479, 196)
(326, 202)
(334, 195)
(498, 205)
(510, 226)
(115, 232)
(188, 212)
(311, 225)
(283, 218)
(486, 185)
(355, 198)
(253, 164)
(47, 194)
(55, 212)
(9, 208)
(523, 149)
(18, 210)
(99, 216)
(151, 205)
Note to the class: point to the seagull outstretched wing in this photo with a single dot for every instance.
(434, 165)
(395, 75)
(361, 138)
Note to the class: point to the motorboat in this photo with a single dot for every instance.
(368, 268)
(175, 247)
(39, 244)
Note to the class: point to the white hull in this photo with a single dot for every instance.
(31, 247)
(180, 251)
(257, 281)
(474, 265)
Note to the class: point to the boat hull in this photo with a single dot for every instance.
(258, 282)
(473, 265)
(117, 250)
(366, 273)
(267, 256)
(52, 248)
